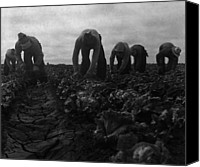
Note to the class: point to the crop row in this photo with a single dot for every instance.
(138, 112)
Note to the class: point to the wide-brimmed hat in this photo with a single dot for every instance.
(24, 41)
(176, 51)
(119, 47)
(21, 36)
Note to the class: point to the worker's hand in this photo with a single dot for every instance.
(118, 72)
(11, 69)
(35, 68)
(115, 74)
(90, 75)
(22, 66)
(77, 75)
(112, 72)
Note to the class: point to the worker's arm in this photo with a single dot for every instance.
(95, 56)
(18, 50)
(76, 51)
(112, 59)
(125, 59)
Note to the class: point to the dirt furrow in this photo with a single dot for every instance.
(32, 128)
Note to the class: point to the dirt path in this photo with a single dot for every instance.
(37, 128)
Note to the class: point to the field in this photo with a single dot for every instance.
(137, 118)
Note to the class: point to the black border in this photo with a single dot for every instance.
(93, 3)
(0, 90)
(192, 82)
(192, 73)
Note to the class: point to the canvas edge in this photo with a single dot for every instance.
(192, 82)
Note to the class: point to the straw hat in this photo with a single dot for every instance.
(21, 36)
(119, 47)
(24, 41)
(176, 51)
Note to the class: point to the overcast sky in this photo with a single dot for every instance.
(57, 27)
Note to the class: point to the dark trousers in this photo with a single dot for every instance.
(127, 68)
(6, 68)
(173, 62)
(160, 59)
(140, 63)
(171, 65)
(101, 64)
(29, 73)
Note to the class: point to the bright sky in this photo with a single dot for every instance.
(57, 27)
